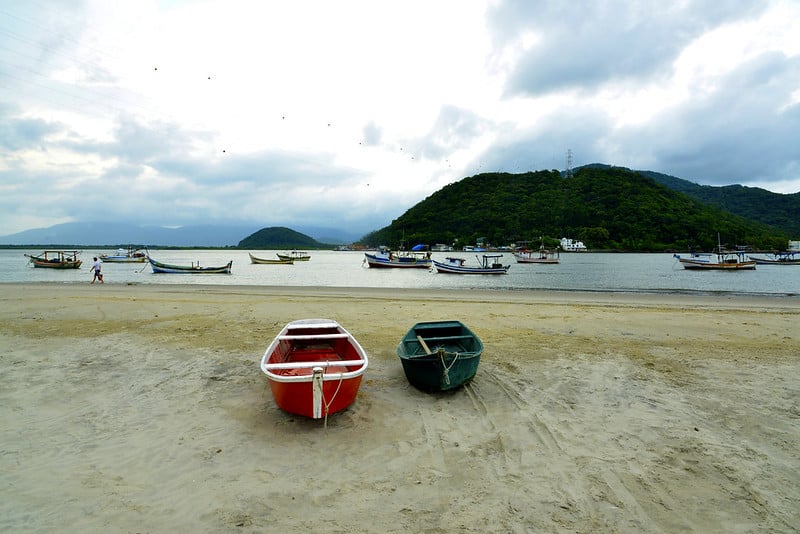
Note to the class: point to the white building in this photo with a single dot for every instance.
(568, 245)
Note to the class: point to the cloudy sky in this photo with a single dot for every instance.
(346, 113)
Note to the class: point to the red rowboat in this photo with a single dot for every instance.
(314, 367)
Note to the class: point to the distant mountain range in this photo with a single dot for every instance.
(114, 234)
(603, 205)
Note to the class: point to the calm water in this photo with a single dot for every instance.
(577, 271)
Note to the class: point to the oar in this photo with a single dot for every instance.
(424, 345)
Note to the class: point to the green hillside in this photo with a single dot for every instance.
(278, 237)
(775, 209)
(605, 207)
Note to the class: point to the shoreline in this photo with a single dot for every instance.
(142, 408)
(787, 300)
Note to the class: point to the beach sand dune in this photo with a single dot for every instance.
(142, 409)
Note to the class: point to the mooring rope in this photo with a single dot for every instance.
(328, 404)
(446, 368)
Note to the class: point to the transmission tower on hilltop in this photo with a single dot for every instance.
(568, 172)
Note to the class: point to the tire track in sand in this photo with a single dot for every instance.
(577, 484)
(528, 411)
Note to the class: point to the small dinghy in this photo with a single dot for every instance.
(440, 355)
(314, 367)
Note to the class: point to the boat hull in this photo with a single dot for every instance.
(697, 266)
(121, 259)
(314, 368)
(447, 268)
(762, 261)
(59, 265)
(439, 355)
(165, 268)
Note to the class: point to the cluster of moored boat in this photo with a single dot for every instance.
(487, 263)
(734, 260)
(314, 367)
(68, 259)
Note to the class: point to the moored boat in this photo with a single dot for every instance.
(487, 264)
(295, 255)
(400, 260)
(721, 260)
(159, 268)
(439, 355)
(314, 367)
(777, 258)
(56, 259)
(543, 255)
(266, 261)
(129, 255)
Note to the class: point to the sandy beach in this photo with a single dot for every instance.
(142, 408)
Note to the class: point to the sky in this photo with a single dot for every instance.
(344, 114)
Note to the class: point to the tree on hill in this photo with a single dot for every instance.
(278, 237)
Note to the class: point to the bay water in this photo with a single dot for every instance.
(584, 271)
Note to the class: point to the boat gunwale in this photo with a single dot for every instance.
(326, 377)
(418, 331)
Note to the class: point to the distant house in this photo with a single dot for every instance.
(794, 246)
(568, 245)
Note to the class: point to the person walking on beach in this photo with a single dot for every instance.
(97, 274)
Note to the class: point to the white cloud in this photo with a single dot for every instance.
(350, 112)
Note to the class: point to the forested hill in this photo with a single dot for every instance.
(775, 209)
(278, 237)
(607, 208)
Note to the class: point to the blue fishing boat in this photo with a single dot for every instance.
(401, 260)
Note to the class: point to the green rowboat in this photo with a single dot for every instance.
(440, 355)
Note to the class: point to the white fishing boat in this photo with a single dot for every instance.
(487, 264)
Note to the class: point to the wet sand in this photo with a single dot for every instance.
(136, 408)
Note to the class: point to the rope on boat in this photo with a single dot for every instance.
(446, 368)
(328, 403)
